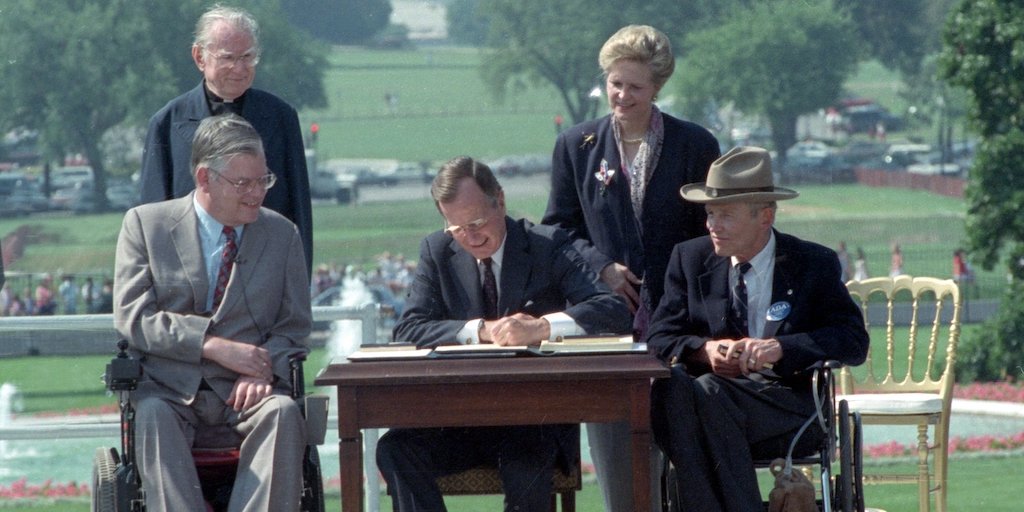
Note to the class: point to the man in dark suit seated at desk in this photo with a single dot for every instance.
(745, 311)
(481, 264)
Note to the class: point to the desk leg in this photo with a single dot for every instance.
(350, 453)
(641, 439)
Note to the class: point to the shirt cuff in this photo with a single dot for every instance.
(470, 333)
(562, 325)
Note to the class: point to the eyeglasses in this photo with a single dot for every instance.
(227, 61)
(246, 185)
(470, 227)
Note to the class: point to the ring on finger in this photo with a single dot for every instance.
(751, 361)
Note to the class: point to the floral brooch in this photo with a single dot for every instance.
(604, 175)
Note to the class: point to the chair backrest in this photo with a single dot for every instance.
(920, 304)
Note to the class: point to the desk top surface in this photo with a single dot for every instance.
(342, 372)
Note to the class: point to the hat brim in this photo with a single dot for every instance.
(697, 193)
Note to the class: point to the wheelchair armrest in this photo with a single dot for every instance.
(316, 408)
(123, 371)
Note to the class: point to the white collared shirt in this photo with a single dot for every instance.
(211, 242)
(561, 324)
(759, 286)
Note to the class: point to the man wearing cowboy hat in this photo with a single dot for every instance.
(746, 311)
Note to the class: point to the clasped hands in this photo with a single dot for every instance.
(516, 329)
(252, 363)
(732, 358)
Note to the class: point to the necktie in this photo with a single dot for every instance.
(740, 298)
(490, 286)
(227, 262)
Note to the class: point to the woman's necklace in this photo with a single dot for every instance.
(633, 141)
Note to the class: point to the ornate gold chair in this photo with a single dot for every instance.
(485, 480)
(912, 382)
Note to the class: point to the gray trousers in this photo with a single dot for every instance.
(610, 451)
(271, 437)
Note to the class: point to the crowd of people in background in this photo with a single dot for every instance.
(67, 298)
(391, 271)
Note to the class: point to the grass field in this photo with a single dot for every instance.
(975, 483)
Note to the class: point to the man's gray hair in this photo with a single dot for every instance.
(219, 138)
(237, 18)
(446, 184)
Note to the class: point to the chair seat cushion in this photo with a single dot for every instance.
(893, 403)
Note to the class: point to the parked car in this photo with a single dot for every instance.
(26, 198)
(77, 198)
(63, 177)
(412, 173)
(808, 150)
(122, 196)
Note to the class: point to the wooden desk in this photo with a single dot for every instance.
(492, 391)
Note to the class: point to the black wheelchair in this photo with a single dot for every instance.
(838, 457)
(116, 483)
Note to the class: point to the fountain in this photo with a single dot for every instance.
(10, 402)
(346, 335)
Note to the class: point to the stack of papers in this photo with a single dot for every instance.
(592, 344)
(563, 346)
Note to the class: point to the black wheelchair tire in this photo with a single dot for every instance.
(845, 478)
(312, 482)
(858, 463)
(104, 483)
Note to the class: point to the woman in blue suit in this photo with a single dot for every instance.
(614, 188)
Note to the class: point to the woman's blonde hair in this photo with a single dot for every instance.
(640, 43)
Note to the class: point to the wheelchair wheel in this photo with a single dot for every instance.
(858, 463)
(845, 478)
(312, 482)
(104, 483)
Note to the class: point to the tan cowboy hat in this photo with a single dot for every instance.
(744, 174)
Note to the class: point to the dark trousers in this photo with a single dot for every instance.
(712, 428)
(411, 460)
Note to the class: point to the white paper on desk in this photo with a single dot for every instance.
(482, 348)
(386, 353)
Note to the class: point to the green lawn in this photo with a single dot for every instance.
(975, 483)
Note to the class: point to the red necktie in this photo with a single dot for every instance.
(490, 292)
(227, 262)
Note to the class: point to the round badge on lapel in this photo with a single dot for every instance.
(779, 311)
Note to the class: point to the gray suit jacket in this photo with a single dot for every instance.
(160, 289)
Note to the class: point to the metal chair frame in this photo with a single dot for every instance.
(930, 391)
(838, 457)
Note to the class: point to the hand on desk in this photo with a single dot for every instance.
(517, 329)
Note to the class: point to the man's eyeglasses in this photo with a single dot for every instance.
(246, 185)
(470, 227)
(226, 60)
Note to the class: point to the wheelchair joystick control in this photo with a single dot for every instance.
(123, 371)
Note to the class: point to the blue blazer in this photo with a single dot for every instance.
(601, 220)
(540, 273)
(166, 158)
(823, 321)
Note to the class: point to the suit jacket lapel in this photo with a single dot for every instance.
(782, 285)
(515, 269)
(466, 271)
(185, 237)
(714, 287)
